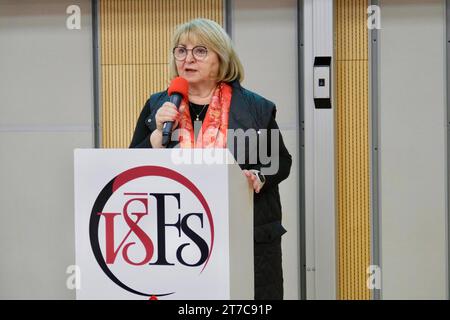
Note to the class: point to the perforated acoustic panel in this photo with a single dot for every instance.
(352, 114)
(134, 51)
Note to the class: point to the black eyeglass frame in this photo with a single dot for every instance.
(187, 51)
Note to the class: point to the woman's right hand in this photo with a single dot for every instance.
(168, 112)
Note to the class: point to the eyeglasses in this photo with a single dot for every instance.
(199, 52)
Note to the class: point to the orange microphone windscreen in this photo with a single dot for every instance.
(179, 85)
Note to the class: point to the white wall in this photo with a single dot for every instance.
(413, 149)
(265, 35)
(46, 110)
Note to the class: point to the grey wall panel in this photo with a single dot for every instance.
(289, 197)
(310, 247)
(320, 215)
(265, 36)
(44, 66)
(412, 149)
(268, 51)
(46, 108)
(36, 217)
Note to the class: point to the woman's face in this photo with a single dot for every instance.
(197, 71)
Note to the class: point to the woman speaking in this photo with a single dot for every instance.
(203, 55)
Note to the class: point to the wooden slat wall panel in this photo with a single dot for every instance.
(352, 102)
(351, 30)
(134, 43)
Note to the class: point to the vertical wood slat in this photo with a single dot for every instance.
(134, 44)
(352, 112)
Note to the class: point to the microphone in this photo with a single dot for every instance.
(178, 90)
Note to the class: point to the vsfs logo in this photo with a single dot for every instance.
(142, 232)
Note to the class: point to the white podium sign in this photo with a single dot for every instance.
(165, 224)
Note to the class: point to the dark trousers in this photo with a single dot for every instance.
(268, 271)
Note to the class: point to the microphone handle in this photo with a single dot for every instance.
(176, 99)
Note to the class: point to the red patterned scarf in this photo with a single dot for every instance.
(213, 133)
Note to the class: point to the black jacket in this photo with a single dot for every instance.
(248, 110)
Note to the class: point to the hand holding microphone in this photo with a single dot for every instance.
(167, 113)
(167, 116)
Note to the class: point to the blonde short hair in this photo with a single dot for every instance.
(214, 37)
